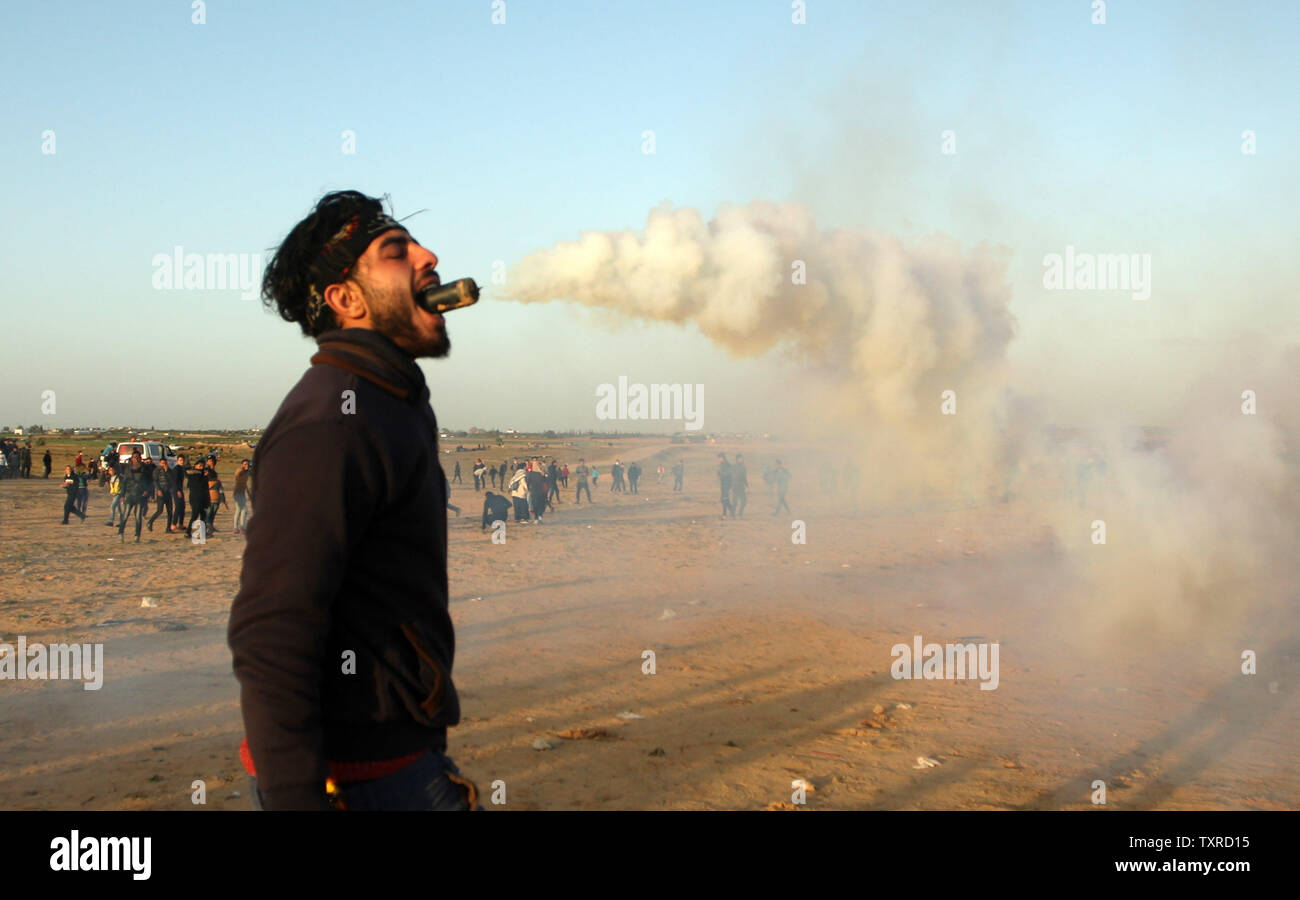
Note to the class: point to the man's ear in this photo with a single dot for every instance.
(347, 301)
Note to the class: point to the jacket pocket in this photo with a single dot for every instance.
(431, 673)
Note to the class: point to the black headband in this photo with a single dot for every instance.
(341, 253)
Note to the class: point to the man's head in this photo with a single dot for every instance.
(349, 265)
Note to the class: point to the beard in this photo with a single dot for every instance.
(392, 311)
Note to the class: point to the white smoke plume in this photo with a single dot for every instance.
(897, 320)
(1198, 530)
(882, 327)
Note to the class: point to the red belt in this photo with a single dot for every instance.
(345, 772)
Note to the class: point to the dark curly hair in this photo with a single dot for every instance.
(298, 263)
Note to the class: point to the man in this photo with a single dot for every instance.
(501, 475)
(739, 486)
(136, 485)
(83, 491)
(552, 483)
(519, 493)
(243, 496)
(70, 501)
(581, 472)
(176, 485)
(27, 460)
(495, 508)
(480, 475)
(455, 478)
(47, 461)
(616, 476)
(162, 491)
(724, 482)
(197, 484)
(679, 472)
(216, 495)
(340, 633)
(781, 478)
(536, 483)
(633, 476)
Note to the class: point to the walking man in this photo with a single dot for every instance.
(349, 549)
(70, 501)
(552, 482)
(679, 472)
(197, 484)
(162, 485)
(176, 486)
(216, 495)
(83, 490)
(243, 495)
(780, 478)
(724, 482)
(136, 486)
(47, 461)
(581, 472)
(739, 486)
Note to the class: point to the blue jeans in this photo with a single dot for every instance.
(421, 786)
(241, 511)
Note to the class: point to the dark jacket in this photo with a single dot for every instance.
(495, 508)
(347, 552)
(136, 483)
(197, 482)
(176, 479)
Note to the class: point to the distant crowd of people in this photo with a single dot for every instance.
(532, 486)
(733, 479)
(16, 459)
(139, 482)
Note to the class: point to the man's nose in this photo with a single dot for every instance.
(425, 256)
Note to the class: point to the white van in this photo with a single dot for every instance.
(154, 450)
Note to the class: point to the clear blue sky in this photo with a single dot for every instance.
(219, 137)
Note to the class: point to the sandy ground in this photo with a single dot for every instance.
(772, 662)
